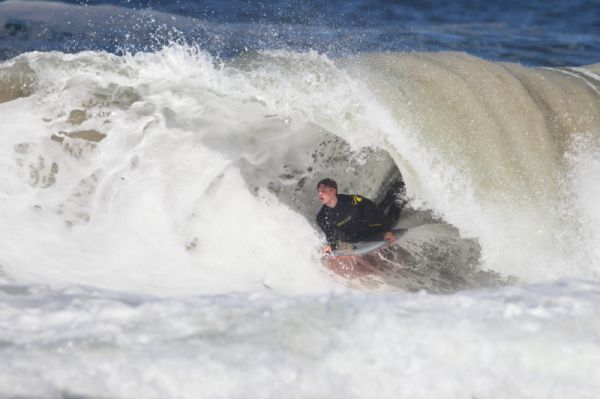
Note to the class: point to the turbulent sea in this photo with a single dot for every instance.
(158, 162)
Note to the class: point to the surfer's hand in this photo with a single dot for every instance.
(327, 250)
(390, 237)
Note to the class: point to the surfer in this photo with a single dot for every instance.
(351, 218)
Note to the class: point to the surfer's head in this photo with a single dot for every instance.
(327, 190)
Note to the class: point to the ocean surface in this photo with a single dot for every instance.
(158, 163)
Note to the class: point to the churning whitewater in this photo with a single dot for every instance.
(159, 236)
(177, 173)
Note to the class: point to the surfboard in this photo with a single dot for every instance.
(360, 259)
(365, 247)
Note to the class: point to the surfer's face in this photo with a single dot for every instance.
(327, 195)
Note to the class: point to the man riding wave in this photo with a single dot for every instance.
(350, 218)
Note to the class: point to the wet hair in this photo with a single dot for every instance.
(328, 183)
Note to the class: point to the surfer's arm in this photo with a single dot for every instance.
(371, 214)
(375, 219)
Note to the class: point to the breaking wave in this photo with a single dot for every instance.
(178, 172)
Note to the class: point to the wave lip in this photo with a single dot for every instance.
(485, 145)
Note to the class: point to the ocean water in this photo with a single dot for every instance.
(158, 162)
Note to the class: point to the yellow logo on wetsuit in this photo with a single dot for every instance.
(343, 222)
(356, 199)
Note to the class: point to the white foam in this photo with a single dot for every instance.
(151, 208)
(583, 186)
(537, 341)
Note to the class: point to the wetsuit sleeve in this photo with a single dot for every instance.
(372, 214)
(328, 229)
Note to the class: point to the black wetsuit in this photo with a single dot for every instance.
(354, 218)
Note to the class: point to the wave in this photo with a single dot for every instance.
(177, 172)
(490, 147)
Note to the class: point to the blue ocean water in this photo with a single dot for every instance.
(535, 33)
